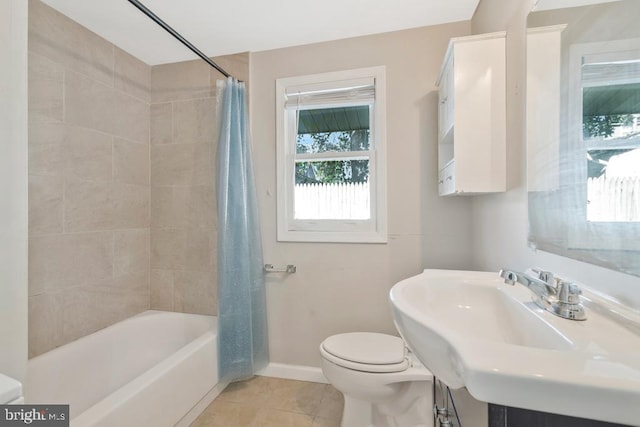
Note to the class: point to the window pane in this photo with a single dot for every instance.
(332, 172)
(611, 131)
(332, 190)
(333, 129)
(332, 201)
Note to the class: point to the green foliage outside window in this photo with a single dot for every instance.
(333, 171)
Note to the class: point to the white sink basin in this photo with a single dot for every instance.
(472, 330)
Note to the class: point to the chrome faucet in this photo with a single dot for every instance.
(557, 296)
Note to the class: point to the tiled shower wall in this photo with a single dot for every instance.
(116, 226)
(183, 209)
(88, 181)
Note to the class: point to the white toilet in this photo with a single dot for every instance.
(10, 391)
(383, 383)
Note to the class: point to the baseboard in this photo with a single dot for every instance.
(293, 372)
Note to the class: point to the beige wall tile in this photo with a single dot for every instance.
(45, 323)
(88, 154)
(181, 80)
(161, 290)
(89, 165)
(46, 151)
(131, 75)
(184, 206)
(46, 83)
(65, 260)
(168, 248)
(45, 205)
(181, 164)
(130, 162)
(56, 149)
(81, 314)
(194, 292)
(130, 206)
(201, 207)
(88, 206)
(161, 123)
(200, 250)
(131, 251)
(94, 105)
(169, 206)
(137, 283)
(89, 103)
(194, 121)
(131, 118)
(61, 39)
(87, 310)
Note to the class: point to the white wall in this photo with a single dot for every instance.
(344, 287)
(13, 188)
(500, 221)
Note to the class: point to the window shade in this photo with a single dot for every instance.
(329, 93)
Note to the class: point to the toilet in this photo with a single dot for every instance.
(10, 391)
(383, 383)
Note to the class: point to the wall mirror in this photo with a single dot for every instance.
(583, 131)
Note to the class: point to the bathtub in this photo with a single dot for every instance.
(154, 369)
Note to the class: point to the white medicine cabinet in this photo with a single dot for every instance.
(472, 116)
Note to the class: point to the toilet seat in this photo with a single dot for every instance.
(366, 352)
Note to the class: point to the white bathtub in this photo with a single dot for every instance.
(148, 370)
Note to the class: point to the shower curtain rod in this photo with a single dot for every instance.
(178, 36)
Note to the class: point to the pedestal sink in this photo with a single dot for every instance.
(472, 330)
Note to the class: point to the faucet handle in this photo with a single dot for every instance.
(545, 276)
(568, 293)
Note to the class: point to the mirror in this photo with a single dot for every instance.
(583, 132)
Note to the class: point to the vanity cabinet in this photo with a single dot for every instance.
(472, 116)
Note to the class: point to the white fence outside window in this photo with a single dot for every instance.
(332, 201)
(614, 199)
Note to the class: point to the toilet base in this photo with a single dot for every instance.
(418, 413)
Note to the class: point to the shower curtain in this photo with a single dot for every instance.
(242, 320)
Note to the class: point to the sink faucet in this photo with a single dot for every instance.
(557, 296)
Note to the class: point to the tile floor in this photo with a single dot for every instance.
(274, 402)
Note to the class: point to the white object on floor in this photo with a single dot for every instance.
(383, 384)
(10, 390)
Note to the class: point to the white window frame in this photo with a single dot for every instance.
(584, 234)
(373, 230)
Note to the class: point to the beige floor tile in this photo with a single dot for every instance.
(270, 417)
(274, 402)
(325, 422)
(296, 396)
(255, 391)
(228, 414)
(331, 405)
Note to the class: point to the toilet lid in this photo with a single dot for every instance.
(367, 348)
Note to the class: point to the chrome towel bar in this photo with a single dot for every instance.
(290, 268)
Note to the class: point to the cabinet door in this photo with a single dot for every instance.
(450, 104)
(447, 180)
(443, 109)
(446, 100)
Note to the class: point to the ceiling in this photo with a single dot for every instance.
(233, 26)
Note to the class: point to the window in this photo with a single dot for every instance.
(331, 157)
(604, 145)
(611, 134)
